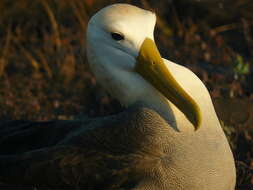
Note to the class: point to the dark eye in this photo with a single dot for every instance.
(117, 36)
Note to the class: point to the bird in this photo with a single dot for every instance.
(126, 62)
(167, 137)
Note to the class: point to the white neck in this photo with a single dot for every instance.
(124, 84)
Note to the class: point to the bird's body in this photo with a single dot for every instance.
(169, 138)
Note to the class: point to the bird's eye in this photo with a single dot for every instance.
(117, 36)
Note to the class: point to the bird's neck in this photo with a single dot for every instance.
(127, 86)
(193, 86)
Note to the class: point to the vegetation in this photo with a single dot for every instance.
(44, 73)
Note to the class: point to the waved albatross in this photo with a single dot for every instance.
(169, 137)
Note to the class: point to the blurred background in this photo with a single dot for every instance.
(44, 73)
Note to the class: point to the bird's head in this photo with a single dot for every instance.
(122, 52)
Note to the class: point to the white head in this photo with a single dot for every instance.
(124, 58)
(113, 60)
(126, 20)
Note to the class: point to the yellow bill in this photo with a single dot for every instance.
(152, 68)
